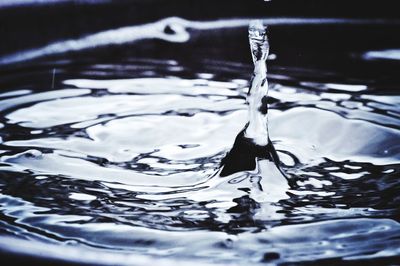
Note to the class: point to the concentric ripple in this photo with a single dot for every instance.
(127, 166)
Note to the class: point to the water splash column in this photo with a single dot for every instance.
(257, 128)
(253, 142)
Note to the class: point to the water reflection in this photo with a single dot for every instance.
(123, 159)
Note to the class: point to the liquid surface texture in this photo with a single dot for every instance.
(119, 159)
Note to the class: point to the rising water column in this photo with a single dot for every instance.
(253, 142)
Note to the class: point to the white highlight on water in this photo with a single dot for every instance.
(81, 196)
(389, 54)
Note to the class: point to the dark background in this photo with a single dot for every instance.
(24, 26)
(332, 51)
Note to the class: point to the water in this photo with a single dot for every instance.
(141, 160)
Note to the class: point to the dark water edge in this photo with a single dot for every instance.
(54, 22)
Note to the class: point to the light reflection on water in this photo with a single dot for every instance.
(124, 167)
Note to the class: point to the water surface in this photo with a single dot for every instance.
(119, 159)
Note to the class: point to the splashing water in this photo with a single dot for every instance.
(258, 123)
(252, 148)
(131, 160)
